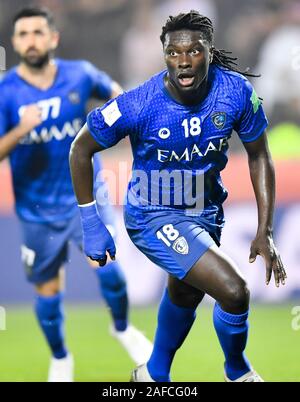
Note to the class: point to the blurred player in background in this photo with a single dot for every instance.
(42, 107)
(180, 121)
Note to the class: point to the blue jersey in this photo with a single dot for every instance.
(188, 142)
(40, 168)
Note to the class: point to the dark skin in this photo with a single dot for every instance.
(188, 56)
(263, 181)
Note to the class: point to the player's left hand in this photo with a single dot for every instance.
(264, 246)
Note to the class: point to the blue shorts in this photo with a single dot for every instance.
(170, 239)
(45, 247)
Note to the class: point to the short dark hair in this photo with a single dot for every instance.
(194, 21)
(35, 11)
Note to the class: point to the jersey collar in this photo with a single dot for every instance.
(208, 101)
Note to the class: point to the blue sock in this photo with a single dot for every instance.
(113, 288)
(232, 332)
(174, 324)
(49, 313)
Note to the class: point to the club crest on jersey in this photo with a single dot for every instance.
(181, 246)
(219, 120)
(74, 97)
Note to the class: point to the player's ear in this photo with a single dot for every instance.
(13, 41)
(55, 40)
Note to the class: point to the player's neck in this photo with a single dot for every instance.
(42, 78)
(190, 99)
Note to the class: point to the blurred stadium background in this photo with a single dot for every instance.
(122, 38)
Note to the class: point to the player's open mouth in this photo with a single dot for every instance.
(186, 80)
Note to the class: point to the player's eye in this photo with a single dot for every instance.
(172, 53)
(194, 52)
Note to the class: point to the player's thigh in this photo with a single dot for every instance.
(218, 276)
(44, 251)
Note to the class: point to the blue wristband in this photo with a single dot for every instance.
(97, 240)
(89, 215)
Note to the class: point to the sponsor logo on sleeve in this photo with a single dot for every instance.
(256, 102)
(111, 113)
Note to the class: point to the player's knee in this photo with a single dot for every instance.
(238, 296)
(48, 289)
(187, 298)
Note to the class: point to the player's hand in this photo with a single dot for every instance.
(264, 246)
(31, 118)
(97, 241)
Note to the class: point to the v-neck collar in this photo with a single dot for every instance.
(212, 80)
(57, 74)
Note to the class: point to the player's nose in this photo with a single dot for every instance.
(184, 61)
(30, 41)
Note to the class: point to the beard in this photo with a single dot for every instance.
(36, 61)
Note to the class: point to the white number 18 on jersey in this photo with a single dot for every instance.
(192, 127)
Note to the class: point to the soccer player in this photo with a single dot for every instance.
(42, 107)
(179, 123)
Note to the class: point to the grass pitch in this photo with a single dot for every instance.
(274, 348)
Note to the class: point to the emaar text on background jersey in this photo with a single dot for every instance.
(171, 137)
(40, 163)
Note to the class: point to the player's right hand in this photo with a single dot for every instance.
(97, 241)
(31, 118)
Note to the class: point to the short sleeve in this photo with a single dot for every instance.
(101, 82)
(252, 121)
(115, 120)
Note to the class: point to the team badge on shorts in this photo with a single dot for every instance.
(181, 246)
(219, 120)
